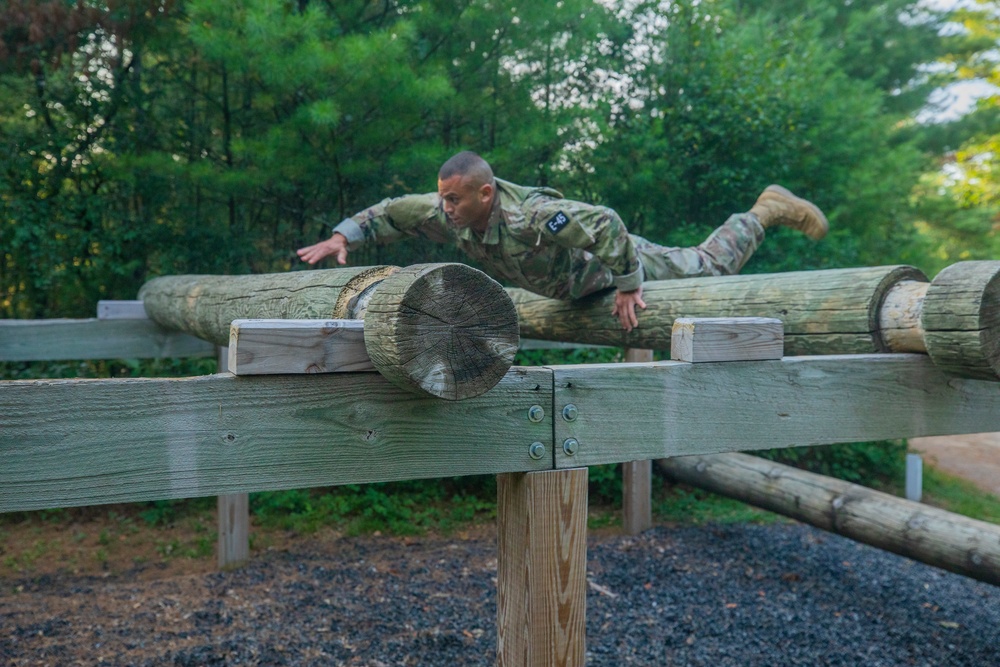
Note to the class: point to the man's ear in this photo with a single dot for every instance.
(485, 192)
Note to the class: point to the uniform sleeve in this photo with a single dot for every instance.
(393, 219)
(598, 230)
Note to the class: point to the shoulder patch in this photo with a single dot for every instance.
(557, 222)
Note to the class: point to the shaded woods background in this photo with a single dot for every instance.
(140, 138)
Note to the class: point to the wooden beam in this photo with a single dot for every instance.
(637, 476)
(60, 339)
(121, 310)
(270, 347)
(88, 442)
(542, 568)
(669, 408)
(702, 339)
(927, 534)
(232, 513)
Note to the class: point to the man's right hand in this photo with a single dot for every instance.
(335, 245)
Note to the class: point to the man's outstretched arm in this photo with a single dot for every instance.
(335, 245)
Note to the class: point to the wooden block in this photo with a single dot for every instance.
(121, 310)
(542, 568)
(270, 347)
(726, 339)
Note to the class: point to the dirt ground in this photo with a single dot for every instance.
(975, 457)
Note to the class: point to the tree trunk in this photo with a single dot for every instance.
(926, 534)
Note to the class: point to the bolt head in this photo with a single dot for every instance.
(570, 446)
(536, 413)
(536, 451)
(570, 412)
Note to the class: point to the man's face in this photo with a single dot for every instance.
(465, 203)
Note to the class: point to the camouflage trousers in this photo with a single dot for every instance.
(723, 253)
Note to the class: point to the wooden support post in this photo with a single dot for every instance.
(914, 477)
(542, 568)
(233, 513)
(637, 510)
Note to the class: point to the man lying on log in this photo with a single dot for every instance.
(557, 247)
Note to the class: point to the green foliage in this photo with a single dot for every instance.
(402, 508)
(876, 464)
(956, 495)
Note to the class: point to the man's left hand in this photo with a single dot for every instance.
(625, 305)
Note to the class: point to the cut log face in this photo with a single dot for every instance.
(961, 319)
(445, 330)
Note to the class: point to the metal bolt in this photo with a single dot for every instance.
(536, 413)
(536, 451)
(570, 445)
(570, 412)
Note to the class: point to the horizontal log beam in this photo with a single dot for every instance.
(88, 442)
(62, 339)
(927, 534)
(627, 412)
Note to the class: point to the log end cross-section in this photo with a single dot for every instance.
(961, 319)
(445, 330)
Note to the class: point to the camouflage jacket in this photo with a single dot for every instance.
(535, 239)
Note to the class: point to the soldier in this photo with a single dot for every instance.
(563, 249)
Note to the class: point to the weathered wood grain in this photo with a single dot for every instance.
(899, 317)
(637, 476)
(833, 311)
(121, 310)
(542, 569)
(961, 319)
(927, 534)
(703, 339)
(232, 514)
(60, 339)
(671, 408)
(269, 347)
(444, 330)
(205, 305)
(88, 442)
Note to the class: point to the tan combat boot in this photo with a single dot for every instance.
(778, 206)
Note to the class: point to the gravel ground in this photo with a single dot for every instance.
(718, 595)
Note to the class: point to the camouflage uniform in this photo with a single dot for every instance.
(556, 247)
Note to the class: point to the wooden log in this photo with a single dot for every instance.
(205, 306)
(444, 330)
(698, 340)
(833, 311)
(542, 568)
(926, 534)
(637, 476)
(271, 347)
(961, 319)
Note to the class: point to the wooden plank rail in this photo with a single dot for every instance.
(78, 442)
(86, 442)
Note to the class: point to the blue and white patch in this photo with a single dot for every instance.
(557, 222)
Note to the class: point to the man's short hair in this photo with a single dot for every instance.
(469, 164)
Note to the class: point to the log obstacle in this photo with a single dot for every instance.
(444, 330)
(926, 534)
(955, 318)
